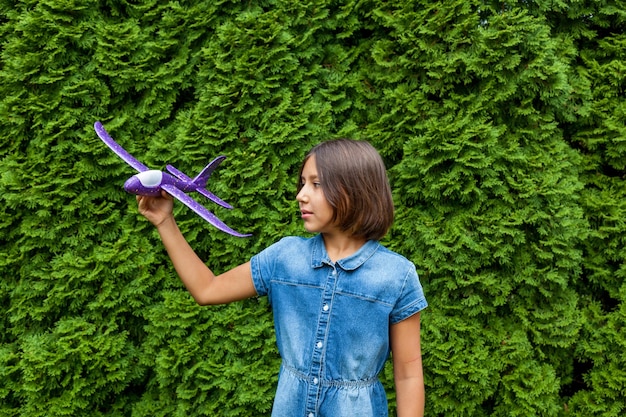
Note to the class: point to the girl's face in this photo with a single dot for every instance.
(316, 211)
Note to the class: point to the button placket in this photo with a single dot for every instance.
(319, 348)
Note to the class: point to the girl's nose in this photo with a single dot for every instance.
(301, 195)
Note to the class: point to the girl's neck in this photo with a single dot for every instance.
(339, 246)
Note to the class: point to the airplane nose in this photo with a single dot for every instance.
(134, 186)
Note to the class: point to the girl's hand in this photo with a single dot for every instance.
(156, 209)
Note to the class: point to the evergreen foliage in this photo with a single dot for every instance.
(503, 128)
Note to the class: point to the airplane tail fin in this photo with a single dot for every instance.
(203, 177)
(201, 180)
(213, 198)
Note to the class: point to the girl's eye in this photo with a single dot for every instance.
(315, 184)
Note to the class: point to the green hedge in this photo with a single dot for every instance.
(503, 128)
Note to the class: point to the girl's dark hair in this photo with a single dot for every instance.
(355, 183)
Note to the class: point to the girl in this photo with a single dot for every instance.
(340, 300)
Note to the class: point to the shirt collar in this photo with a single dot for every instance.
(319, 256)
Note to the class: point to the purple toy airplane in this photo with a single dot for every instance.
(150, 182)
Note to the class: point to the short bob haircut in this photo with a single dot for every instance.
(354, 180)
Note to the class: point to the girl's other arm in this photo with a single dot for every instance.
(407, 367)
(201, 282)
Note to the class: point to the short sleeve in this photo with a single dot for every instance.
(411, 300)
(263, 265)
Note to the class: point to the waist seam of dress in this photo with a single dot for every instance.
(332, 382)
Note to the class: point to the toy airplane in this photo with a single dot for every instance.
(150, 182)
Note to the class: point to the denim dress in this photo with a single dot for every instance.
(332, 323)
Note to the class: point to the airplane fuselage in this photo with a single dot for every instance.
(149, 183)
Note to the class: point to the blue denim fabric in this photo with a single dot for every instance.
(332, 323)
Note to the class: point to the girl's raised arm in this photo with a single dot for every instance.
(201, 282)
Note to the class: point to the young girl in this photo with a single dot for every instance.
(341, 301)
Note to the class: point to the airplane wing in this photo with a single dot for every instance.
(200, 210)
(115, 147)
